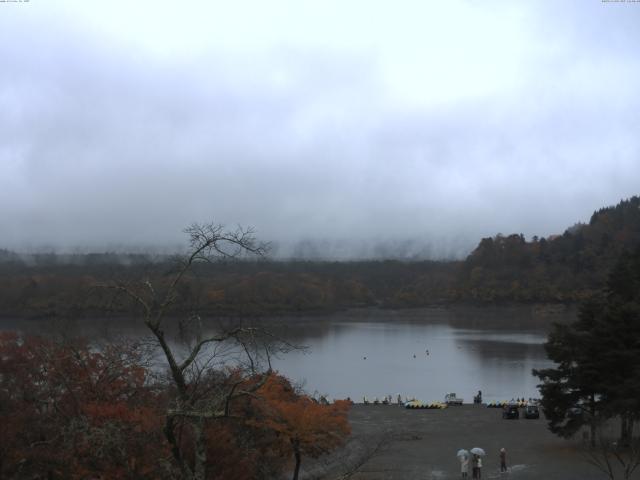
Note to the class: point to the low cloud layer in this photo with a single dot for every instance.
(351, 132)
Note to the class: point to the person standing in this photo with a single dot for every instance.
(503, 460)
(479, 467)
(474, 466)
(464, 466)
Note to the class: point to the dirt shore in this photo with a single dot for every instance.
(422, 444)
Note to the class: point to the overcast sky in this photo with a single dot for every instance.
(358, 123)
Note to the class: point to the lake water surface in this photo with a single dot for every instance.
(419, 353)
(422, 354)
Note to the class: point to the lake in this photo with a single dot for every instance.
(423, 353)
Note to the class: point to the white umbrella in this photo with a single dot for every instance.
(478, 451)
(462, 453)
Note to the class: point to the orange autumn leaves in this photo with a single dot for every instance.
(318, 428)
(308, 427)
(69, 410)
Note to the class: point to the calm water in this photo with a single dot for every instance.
(377, 353)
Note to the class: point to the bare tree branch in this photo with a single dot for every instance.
(202, 393)
(195, 351)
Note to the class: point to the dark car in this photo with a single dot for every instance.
(532, 412)
(511, 412)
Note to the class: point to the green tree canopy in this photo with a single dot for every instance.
(597, 372)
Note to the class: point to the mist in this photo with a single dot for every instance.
(340, 132)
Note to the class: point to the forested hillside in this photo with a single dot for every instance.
(563, 268)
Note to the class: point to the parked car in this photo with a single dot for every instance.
(511, 412)
(531, 412)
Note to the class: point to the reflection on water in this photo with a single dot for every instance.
(422, 353)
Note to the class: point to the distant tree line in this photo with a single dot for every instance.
(565, 268)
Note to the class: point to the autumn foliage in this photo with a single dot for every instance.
(71, 410)
(303, 425)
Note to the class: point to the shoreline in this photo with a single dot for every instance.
(540, 310)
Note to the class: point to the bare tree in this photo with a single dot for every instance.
(202, 393)
(612, 458)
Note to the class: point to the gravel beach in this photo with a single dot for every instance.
(422, 444)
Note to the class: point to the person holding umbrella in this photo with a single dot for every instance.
(463, 456)
(476, 463)
(474, 466)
